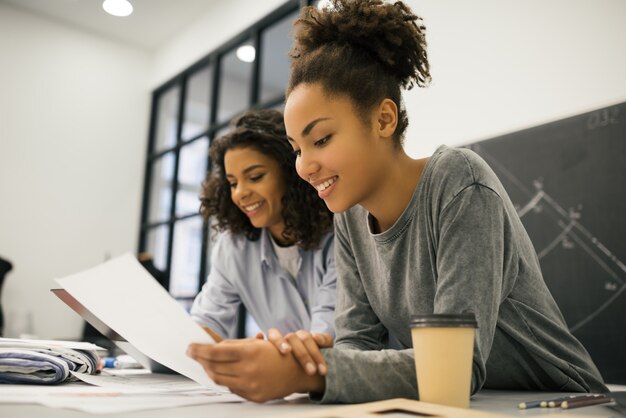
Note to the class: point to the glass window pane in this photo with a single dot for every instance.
(212, 233)
(197, 103)
(185, 268)
(235, 81)
(161, 188)
(167, 119)
(276, 42)
(191, 172)
(157, 239)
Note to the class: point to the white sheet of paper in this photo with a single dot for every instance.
(128, 299)
(145, 382)
(100, 400)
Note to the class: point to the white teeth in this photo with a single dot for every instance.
(323, 186)
(252, 207)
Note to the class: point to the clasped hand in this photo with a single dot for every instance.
(260, 370)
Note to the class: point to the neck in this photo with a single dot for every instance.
(276, 232)
(393, 193)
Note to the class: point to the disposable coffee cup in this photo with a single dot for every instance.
(443, 345)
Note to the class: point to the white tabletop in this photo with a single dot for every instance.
(502, 402)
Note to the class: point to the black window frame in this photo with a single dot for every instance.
(253, 33)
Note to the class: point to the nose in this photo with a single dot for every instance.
(239, 192)
(307, 166)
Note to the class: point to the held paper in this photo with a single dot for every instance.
(123, 295)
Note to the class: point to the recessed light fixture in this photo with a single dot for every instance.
(246, 53)
(117, 7)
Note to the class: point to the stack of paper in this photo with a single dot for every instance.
(43, 361)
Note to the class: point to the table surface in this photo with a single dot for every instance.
(501, 402)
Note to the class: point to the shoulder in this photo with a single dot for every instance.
(452, 170)
(228, 243)
(460, 164)
(326, 242)
(351, 222)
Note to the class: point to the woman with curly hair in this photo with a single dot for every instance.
(414, 236)
(275, 250)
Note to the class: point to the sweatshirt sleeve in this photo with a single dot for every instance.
(471, 263)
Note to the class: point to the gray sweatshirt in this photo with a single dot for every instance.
(458, 246)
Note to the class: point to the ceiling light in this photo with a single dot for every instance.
(246, 53)
(117, 7)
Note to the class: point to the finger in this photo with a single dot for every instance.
(216, 337)
(275, 337)
(301, 353)
(323, 340)
(314, 351)
(214, 352)
(259, 336)
(238, 341)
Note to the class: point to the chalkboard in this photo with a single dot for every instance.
(568, 182)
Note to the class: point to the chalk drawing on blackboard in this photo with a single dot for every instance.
(570, 234)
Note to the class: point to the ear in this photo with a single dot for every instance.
(386, 118)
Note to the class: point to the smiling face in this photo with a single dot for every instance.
(256, 187)
(336, 151)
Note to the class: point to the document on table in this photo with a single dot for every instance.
(123, 295)
(145, 381)
(101, 400)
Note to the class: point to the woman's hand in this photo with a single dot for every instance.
(305, 347)
(254, 369)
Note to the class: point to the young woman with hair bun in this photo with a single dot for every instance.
(413, 236)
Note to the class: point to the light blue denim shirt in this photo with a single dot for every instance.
(248, 272)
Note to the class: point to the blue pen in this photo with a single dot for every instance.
(121, 362)
(110, 363)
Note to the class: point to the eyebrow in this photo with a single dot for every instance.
(307, 129)
(249, 169)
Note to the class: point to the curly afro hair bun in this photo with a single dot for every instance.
(391, 33)
(366, 49)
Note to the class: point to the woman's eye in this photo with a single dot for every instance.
(256, 177)
(297, 152)
(232, 185)
(323, 141)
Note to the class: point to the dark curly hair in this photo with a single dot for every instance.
(365, 49)
(307, 219)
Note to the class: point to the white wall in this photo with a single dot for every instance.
(74, 112)
(504, 65)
